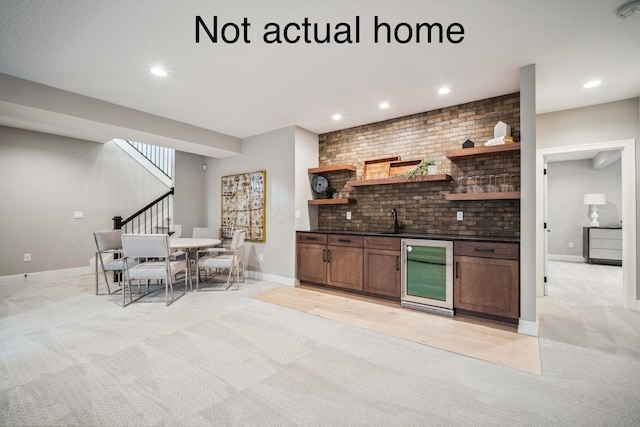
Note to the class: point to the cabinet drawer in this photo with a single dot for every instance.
(605, 244)
(487, 250)
(605, 254)
(605, 233)
(345, 240)
(389, 243)
(318, 238)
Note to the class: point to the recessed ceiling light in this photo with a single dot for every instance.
(336, 117)
(383, 105)
(592, 83)
(159, 71)
(444, 90)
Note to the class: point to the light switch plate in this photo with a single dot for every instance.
(348, 215)
(78, 214)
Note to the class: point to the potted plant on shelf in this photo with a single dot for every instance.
(329, 192)
(428, 167)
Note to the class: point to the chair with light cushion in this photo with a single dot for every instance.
(228, 258)
(205, 232)
(158, 264)
(109, 256)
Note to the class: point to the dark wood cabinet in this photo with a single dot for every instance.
(382, 266)
(486, 279)
(331, 260)
(344, 267)
(486, 275)
(311, 251)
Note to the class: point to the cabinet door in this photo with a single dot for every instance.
(487, 285)
(311, 265)
(344, 267)
(382, 272)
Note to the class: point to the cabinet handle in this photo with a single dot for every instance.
(397, 263)
(457, 275)
(328, 255)
(489, 250)
(324, 257)
(344, 240)
(311, 238)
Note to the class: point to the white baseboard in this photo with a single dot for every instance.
(257, 275)
(527, 327)
(44, 276)
(567, 258)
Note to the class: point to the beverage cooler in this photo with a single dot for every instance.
(427, 275)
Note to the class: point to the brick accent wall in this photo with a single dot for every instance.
(421, 206)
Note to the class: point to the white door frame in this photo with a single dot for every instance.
(628, 212)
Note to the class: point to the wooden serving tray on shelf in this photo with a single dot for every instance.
(400, 168)
(377, 168)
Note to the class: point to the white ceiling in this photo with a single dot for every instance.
(104, 50)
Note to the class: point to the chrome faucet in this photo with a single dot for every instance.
(394, 215)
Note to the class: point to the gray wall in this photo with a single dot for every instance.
(189, 209)
(567, 182)
(529, 140)
(275, 153)
(44, 179)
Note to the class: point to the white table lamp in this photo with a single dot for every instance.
(594, 200)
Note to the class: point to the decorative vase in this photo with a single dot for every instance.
(432, 170)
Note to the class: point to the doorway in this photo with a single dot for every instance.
(628, 210)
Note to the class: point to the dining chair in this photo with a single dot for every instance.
(155, 262)
(205, 232)
(224, 258)
(109, 256)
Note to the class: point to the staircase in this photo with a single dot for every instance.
(155, 217)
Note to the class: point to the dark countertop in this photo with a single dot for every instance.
(419, 236)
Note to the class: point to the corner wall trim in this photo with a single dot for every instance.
(44, 276)
(272, 278)
(566, 258)
(527, 327)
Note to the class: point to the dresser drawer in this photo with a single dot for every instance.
(605, 233)
(605, 254)
(605, 244)
(487, 250)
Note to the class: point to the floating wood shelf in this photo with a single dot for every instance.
(334, 168)
(332, 202)
(399, 180)
(513, 195)
(479, 152)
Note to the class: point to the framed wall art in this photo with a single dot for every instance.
(243, 205)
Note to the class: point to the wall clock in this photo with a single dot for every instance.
(319, 183)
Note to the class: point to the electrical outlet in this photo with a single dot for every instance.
(27, 257)
(460, 216)
(261, 257)
(570, 244)
(348, 215)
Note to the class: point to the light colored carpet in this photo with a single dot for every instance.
(71, 358)
(479, 339)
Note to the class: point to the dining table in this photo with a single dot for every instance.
(191, 245)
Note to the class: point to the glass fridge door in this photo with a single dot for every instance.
(426, 270)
